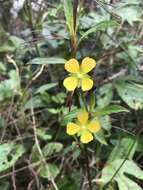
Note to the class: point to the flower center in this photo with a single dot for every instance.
(83, 128)
(80, 75)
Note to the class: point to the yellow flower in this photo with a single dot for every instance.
(78, 74)
(83, 127)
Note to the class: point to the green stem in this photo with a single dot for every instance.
(97, 155)
(88, 167)
(34, 35)
(73, 45)
(73, 32)
(75, 5)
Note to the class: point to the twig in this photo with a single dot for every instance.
(8, 115)
(38, 73)
(120, 73)
(13, 179)
(35, 131)
(34, 173)
(82, 183)
(30, 185)
(39, 149)
(11, 60)
(27, 116)
(34, 164)
(124, 130)
(114, 76)
(20, 169)
(18, 138)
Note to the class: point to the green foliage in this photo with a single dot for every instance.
(52, 148)
(46, 61)
(41, 133)
(106, 122)
(45, 87)
(109, 109)
(10, 153)
(124, 183)
(129, 13)
(98, 27)
(131, 93)
(10, 87)
(48, 171)
(4, 185)
(35, 107)
(123, 146)
(67, 183)
(100, 137)
(6, 43)
(68, 10)
(105, 95)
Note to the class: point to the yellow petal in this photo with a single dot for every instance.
(72, 66)
(72, 128)
(70, 83)
(86, 137)
(87, 64)
(94, 126)
(86, 84)
(83, 117)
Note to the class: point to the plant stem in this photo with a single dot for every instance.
(73, 45)
(75, 5)
(34, 35)
(73, 32)
(87, 167)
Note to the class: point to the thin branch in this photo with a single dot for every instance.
(13, 179)
(34, 173)
(118, 74)
(39, 148)
(38, 73)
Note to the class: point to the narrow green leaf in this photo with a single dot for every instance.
(68, 10)
(100, 26)
(47, 61)
(45, 87)
(110, 109)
